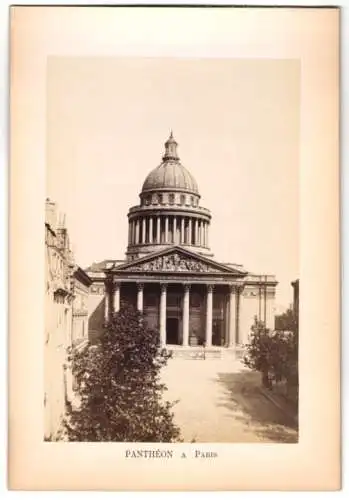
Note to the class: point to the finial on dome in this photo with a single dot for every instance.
(170, 149)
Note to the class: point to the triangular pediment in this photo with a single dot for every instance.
(177, 260)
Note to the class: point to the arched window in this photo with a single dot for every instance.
(182, 199)
(171, 198)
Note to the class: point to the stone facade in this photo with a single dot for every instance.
(66, 286)
(295, 285)
(81, 284)
(169, 273)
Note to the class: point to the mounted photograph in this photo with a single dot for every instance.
(171, 250)
(174, 263)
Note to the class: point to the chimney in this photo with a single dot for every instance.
(51, 214)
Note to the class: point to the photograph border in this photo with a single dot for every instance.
(37, 465)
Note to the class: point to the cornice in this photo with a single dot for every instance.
(198, 212)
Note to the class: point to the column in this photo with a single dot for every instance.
(133, 232)
(182, 240)
(205, 241)
(232, 317)
(207, 244)
(175, 241)
(140, 287)
(158, 230)
(186, 316)
(143, 229)
(196, 242)
(208, 337)
(129, 231)
(116, 297)
(137, 232)
(151, 230)
(106, 305)
(163, 315)
(166, 229)
(190, 231)
(242, 332)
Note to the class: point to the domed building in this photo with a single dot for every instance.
(169, 212)
(169, 273)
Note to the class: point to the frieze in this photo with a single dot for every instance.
(97, 290)
(80, 312)
(153, 278)
(259, 293)
(175, 263)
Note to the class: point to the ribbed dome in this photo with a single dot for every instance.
(170, 174)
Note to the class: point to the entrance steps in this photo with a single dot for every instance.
(199, 352)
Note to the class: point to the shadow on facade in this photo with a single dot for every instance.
(245, 401)
(95, 322)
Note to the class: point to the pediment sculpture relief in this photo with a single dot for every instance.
(176, 263)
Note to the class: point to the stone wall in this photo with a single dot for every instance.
(58, 322)
(63, 287)
(255, 303)
(80, 307)
(95, 307)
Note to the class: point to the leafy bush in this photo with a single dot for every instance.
(287, 322)
(118, 382)
(274, 354)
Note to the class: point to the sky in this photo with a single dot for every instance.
(237, 125)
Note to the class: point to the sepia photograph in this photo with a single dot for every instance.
(174, 242)
(171, 299)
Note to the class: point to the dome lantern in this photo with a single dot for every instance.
(170, 149)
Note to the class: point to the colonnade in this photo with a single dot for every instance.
(175, 229)
(234, 309)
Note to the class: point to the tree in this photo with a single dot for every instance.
(287, 322)
(274, 354)
(257, 356)
(119, 385)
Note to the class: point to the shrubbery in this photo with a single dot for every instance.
(275, 355)
(118, 382)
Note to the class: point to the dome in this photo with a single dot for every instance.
(170, 174)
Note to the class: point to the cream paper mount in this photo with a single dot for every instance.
(252, 96)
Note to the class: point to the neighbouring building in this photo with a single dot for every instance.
(81, 288)
(169, 272)
(295, 285)
(66, 296)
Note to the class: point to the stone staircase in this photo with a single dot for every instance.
(195, 353)
(200, 353)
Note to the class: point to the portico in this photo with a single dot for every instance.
(188, 308)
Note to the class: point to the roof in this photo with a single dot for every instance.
(170, 174)
(82, 276)
(96, 267)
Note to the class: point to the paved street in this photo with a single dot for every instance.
(220, 401)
